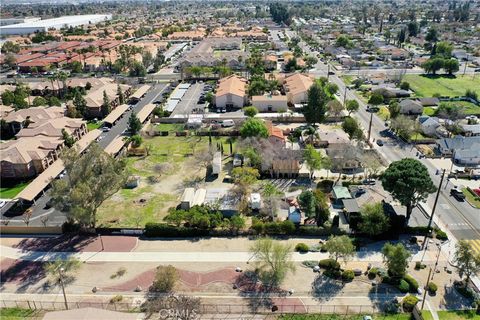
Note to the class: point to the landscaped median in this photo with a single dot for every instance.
(471, 197)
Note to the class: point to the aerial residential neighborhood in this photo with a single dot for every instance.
(240, 160)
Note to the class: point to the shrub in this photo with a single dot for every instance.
(411, 282)
(116, 298)
(348, 275)
(301, 247)
(441, 235)
(153, 229)
(432, 288)
(165, 279)
(332, 273)
(403, 286)
(418, 265)
(258, 226)
(372, 273)
(287, 227)
(329, 264)
(310, 263)
(409, 303)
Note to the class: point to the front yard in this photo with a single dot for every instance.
(427, 86)
(474, 201)
(10, 192)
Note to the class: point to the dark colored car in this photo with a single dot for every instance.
(457, 194)
(380, 143)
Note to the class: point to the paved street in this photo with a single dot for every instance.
(459, 217)
(55, 217)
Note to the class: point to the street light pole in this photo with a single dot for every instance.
(370, 127)
(433, 209)
(101, 241)
(60, 273)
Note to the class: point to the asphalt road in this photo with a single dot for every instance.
(460, 218)
(55, 217)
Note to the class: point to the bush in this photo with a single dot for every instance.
(165, 279)
(418, 265)
(411, 282)
(329, 264)
(287, 227)
(301, 247)
(403, 286)
(348, 275)
(153, 229)
(372, 273)
(310, 263)
(332, 273)
(409, 303)
(441, 235)
(432, 288)
(116, 298)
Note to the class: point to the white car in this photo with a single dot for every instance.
(2, 203)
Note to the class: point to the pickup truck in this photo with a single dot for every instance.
(457, 194)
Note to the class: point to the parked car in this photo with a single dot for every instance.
(380, 143)
(369, 181)
(457, 194)
(105, 129)
(227, 123)
(2, 203)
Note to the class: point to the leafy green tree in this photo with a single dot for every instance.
(134, 124)
(273, 260)
(10, 60)
(314, 160)
(91, 179)
(340, 247)
(165, 279)
(19, 102)
(106, 106)
(39, 101)
(451, 66)
(254, 127)
(8, 97)
(236, 223)
(121, 96)
(444, 50)
(310, 61)
(432, 65)
(405, 85)
(471, 94)
(409, 182)
(432, 35)
(307, 203)
(396, 259)
(466, 260)
(394, 109)
(80, 103)
(352, 128)
(316, 107)
(250, 111)
(137, 70)
(374, 220)
(376, 99)
(322, 212)
(76, 67)
(352, 106)
(342, 41)
(331, 89)
(67, 138)
(54, 101)
(10, 47)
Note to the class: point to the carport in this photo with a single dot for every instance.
(115, 114)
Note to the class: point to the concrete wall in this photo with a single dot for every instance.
(30, 230)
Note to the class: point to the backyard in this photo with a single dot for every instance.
(427, 86)
(164, 173)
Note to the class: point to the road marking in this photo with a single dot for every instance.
(475, 245)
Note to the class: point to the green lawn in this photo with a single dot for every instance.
(19, 314)
(170, 127)
(471, 198)
(401, 316)
(383, 113)
(347, 79)
(11, 192)
(92, 125)
(468, 108)
(429, 111)
(451, 315)
(446, 86)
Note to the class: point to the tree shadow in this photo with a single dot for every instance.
(384, 297)
(325, 288)
(64, 243)
(26, 273)
(453, 300)
(258, 295)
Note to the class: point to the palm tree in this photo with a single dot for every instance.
(312, 133)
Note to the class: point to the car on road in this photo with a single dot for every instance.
(457, 194)
(380, 143)
(372, 109)
(2, 203)
(331, 73)
(106, 129)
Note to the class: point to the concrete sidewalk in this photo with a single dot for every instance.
(101, 256)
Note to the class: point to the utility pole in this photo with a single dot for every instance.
(425, 289)
(433, 209)
(370, 127)
(60, 273)
(345, 98)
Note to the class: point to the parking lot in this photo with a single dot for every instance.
(188, 104)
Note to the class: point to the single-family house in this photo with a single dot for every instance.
(410, 107)
(296, 88)
(463, 150)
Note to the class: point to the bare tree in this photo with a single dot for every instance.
(205, 156)
(345, 157)
(26, 217)
(44, 221)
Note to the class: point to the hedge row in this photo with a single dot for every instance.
(423, 231)
(153, 229)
